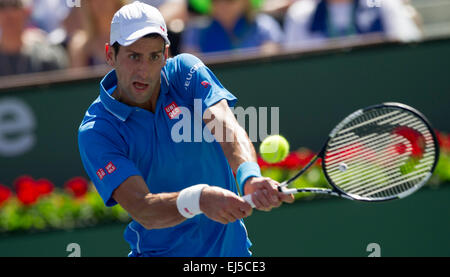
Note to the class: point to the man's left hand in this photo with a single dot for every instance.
(265, 193)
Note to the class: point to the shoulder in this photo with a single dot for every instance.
(180, 71)
(186, 60)
(183, 64)
(97, 120)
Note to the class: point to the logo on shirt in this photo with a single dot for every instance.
(110, 167)
(205, 84)
(190, 74)
(172, 110)
(101, 173)
(189, 212)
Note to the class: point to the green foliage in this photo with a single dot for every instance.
(59, 210)
(73, 207)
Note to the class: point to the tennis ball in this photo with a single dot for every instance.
(274, 149)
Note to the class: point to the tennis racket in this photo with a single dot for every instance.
(379, 153)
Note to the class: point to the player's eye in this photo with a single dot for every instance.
(134, 57)
(155, 57)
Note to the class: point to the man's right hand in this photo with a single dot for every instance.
(222, 205)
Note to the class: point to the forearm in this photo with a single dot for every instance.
(161, 211)
(239, 149)
(233, 139)
(235, 143)
(153, 211)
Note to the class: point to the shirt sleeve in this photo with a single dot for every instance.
(103, 153)
(199, 82)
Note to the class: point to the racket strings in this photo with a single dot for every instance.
(382, 152)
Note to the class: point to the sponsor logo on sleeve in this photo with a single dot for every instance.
(110, 167)
(101, 173)
(172, 110)
(205, 84)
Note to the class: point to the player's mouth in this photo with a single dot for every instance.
(140, 87)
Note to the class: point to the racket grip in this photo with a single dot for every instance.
(248, 199)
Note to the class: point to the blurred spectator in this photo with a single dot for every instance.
(314, 21)
(233, 24)
(175, 13)
(276, 8)
(170, 9)
(23, 49)
(53, 17)
(87, 46)
(49, 14)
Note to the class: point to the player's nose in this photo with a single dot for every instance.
(143, 71)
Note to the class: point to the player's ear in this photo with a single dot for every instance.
(110, 55)
(166, 53)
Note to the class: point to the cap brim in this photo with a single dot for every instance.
(141, 32)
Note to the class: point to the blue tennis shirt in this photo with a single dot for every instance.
(171, 149)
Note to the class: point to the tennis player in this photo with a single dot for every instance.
(182, 196)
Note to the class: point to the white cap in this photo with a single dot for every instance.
(134, 21)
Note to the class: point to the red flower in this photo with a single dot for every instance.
(5, 193)
(439, 136)
(446, 143)
(23, 182)
(28, 197)
(414, 137)
(400, 148)
(77, 186)
(305, 156)
(444, 140)
(292, 161)
(319, 162)
(26, 190)
(44, 186)
(346, 152)
(262, 163)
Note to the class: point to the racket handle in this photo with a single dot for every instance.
(282, 188)
(248, 199)
(287, 191)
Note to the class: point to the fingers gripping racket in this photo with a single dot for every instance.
(379, 153)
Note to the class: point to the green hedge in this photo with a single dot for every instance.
(36, 205)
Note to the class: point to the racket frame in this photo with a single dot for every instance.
(336, 191)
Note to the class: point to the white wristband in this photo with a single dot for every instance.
(188, 201)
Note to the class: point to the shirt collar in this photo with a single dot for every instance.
(164, 82)
(117, 108)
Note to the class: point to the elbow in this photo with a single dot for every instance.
(151, 225)
(147, 222)
(151, 213)
(147, 225)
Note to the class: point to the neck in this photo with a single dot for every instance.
(153, 99)
(149, 105)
